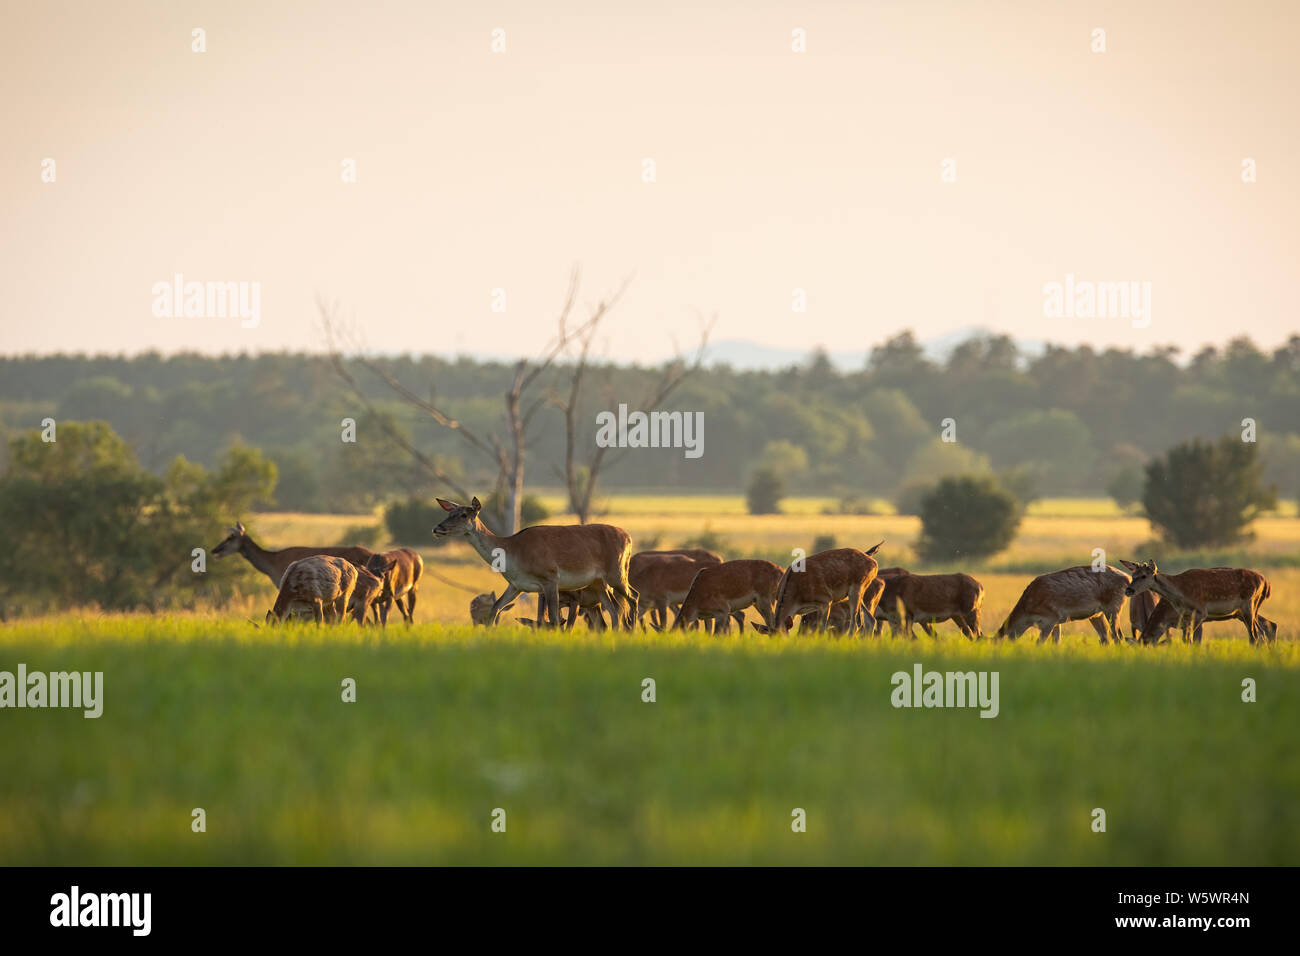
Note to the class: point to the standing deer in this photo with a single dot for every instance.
(928, 598)
(1074, 594)
(548, 559)
(1203, 594)
(661, 581)
(399, 586)
(325, 584)
(1165, 617)
(274, 563)
(839, 622)
(827, 577)
(720, 591)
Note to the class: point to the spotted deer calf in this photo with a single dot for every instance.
(910, 599)
(720, 591)
(329, 586)
(1205, 594)
(1074, 594)
(841, 574)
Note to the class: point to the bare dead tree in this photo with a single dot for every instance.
(581, 477)
(505, 451)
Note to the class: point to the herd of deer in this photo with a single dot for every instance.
(591, 570)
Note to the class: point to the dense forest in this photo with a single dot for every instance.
(1068, 421)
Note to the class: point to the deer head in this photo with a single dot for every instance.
(480, 609)
(232, 542)
(1144, 576)
(461, 519)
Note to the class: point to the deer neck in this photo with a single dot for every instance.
(1167, 589)
(259, 558)
(484, 541)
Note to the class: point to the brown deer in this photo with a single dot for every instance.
(702, 555)
(932, 598)
(274, 563)
(718, 592)
(1140, 608)
(1164, 617)
(839, 621)
(325, 584)
(548, 559)
(827, 577)
(590, 602)
(661, 581)
(372, 583)
(399, 586)
(1074, 594)
(1203, 594)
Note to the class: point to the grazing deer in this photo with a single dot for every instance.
(399, 586)
(482, 609)
(548, 559)
(323, 583)
(1165, 617)
(1203, 594)
(274, 563)
(1140, 608)
(661, 581)
(372, 583)
(932, 598)
(878, 628)
(839, 621)
(720, 591)
(1074, 594)
(702, 555)
(827, 577)
(589, 602)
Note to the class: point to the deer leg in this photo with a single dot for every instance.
(508, 595)
(740, 620)
(1100, 627)
(317, 612)
(552, 591)
(410, 606)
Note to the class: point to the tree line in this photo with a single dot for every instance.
(1067, 421)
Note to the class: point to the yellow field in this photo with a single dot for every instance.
(1060, 531)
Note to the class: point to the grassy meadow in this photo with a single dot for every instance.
(203, 709)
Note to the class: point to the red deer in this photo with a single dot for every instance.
(928, 598)
(701, 555)
(661, 581)
(1140, 608)
(274, 563)
(1203, 594)
(1074, 594)
(548, 559)
(720, 591)
(839, 622)
(827, 577)
(326, 584)
(589, 602)
(399, 587)
(1165, 617)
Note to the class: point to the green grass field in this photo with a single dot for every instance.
(450, 723)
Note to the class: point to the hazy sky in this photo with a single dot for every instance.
(775, 170)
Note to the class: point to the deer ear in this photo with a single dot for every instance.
(1153, 568)
(493, 595)
(1128, 564)
(446, 505)
(239, 527)
(475, 504)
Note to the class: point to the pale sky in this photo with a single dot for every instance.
(775, 170)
